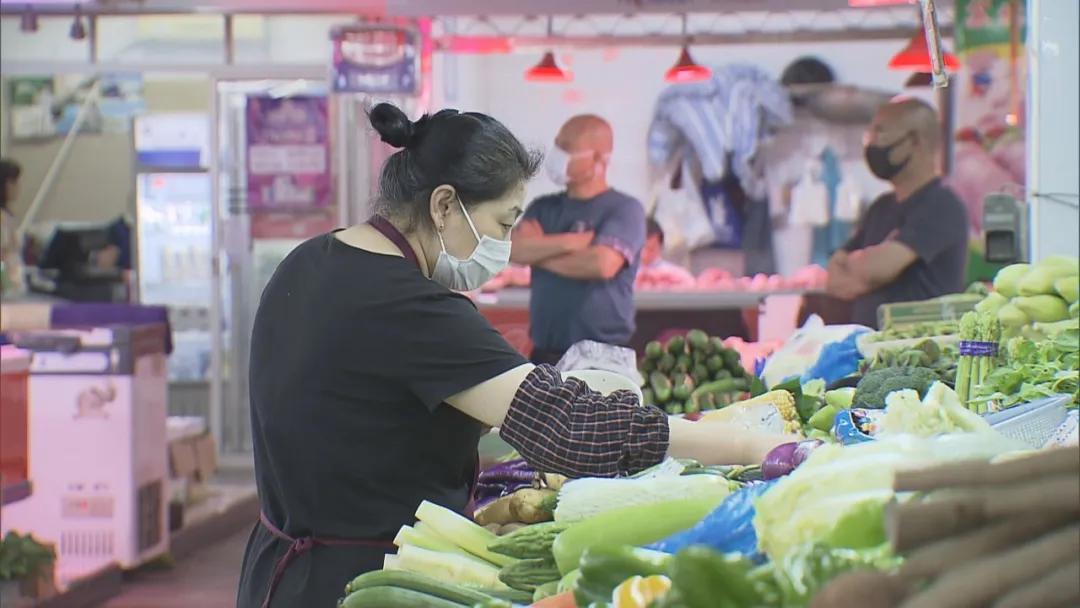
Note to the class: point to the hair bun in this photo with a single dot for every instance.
(393, 126)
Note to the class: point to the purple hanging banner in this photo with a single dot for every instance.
(375, 58)
(288, 153)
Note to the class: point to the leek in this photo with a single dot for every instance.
(450, 568)
(415, 537)
(460, 531)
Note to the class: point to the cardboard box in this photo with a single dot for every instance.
(193, 458)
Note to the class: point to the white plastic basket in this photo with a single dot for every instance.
(1031, 423)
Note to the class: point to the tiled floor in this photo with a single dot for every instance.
(206, 578)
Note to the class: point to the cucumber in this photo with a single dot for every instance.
(700, 374)
(413, 581)
(716, 345)
(722, 375)
(684, 363)
(647, 365)
(714, 363)
(719, 388)
(697, 339)
(708, 402)
(674, 409)
(397, 597)
(647, 396)
(516, 596)
(676, 345)
(654, 350)
(528, 574)
(661, 387)
(530, 542)
(732, 359)
(666, 363)
(682, 386)
(691, 407)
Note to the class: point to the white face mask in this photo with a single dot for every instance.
(557, 163)
(489, 258)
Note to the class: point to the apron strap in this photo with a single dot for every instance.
(389, 231)
(302, 545)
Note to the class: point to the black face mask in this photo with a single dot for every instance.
(877, 158)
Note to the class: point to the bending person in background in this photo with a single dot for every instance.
(652, 257)
(13, 283)
(583, 245)
(372, 379)
(912, 244)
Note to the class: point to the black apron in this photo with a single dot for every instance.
(300, 546)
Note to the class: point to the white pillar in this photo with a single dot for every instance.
(1053, 130)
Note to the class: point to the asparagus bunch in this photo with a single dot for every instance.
(973, 369)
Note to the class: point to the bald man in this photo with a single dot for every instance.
(912, 244)
(583, 244)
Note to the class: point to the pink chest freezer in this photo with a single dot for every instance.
(97, 411)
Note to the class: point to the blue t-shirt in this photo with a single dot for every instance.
(565, 311)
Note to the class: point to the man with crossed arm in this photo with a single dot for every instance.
(912, 243)
(584, 246)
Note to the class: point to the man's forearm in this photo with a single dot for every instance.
(584, 265)
(530, 251)
(844, 284)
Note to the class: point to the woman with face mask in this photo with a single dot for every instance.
(372, 379)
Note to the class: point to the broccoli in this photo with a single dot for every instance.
(876, 385)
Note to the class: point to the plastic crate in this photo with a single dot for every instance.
(1031, 423)
(945, 308)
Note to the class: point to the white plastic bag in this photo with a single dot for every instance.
(809, 201)
(802, 350)
(681, 213)
(588, 354)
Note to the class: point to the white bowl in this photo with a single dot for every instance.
(605, 382)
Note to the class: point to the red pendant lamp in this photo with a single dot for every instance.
(686, 69)
(915, 57)
(548, 69)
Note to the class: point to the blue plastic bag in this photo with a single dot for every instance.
(728, 529)
(837, 360)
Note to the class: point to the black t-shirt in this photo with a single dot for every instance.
(933, 222)
(352, 355)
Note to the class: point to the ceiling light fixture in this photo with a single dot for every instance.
(78, 29)
(915, 56)
(548, 69)
(28, 22)
(686, 69)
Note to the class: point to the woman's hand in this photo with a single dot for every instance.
(713, 443)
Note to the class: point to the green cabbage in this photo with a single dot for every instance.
(838, 495)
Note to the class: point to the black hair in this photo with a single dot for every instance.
(807, 70)
(472, 152)
(9, 172)
(653, 227)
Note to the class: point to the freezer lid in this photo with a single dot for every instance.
(98, 350)
(13, 359)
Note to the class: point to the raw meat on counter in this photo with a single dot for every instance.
(812, 277)
(511, 276)
(674, 278)
(665, 278)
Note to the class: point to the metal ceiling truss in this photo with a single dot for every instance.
(528, 32)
